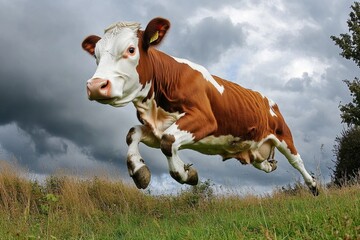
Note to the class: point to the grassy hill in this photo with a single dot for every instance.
(72, 208)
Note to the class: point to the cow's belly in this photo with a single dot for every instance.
(221, 145)
(246, 151)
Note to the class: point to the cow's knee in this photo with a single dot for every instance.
(166, 144)
(129, 136)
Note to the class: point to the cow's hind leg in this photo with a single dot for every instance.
(288, 150)
(139, 172)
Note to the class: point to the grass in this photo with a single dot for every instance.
(70, 208)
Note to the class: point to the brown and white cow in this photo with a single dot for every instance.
(182, 106)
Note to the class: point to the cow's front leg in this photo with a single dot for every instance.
(267, 166)
(172, 139)
(139, 172)
(186, 131)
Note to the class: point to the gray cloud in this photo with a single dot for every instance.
(43, 78)
(46, 144)
(207, 40)
(298, 84)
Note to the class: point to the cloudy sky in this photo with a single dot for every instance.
(280, 48)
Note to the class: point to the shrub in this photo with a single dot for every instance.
(201, 193)
(347, 153)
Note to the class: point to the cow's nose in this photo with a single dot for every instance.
(98, 88)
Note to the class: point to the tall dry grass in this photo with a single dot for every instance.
(62, 202)
(15, 192)
(68, 207)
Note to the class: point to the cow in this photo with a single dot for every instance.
(180, 105)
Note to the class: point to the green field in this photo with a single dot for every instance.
(71, 208)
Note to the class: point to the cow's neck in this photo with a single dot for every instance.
(155, 106)
(159, 75)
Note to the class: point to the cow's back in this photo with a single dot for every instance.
(244, 113)
(238, 111)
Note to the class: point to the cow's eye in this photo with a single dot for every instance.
(131, 50)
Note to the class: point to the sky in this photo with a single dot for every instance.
(280, 48)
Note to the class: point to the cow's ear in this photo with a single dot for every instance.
(89, 44)
(155, 32)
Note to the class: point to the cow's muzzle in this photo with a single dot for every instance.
(98, 89)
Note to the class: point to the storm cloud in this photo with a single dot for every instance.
(280, 48)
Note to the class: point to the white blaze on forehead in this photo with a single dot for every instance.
(115, 28)
(203, 71)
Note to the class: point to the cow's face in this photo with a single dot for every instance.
(116, 80)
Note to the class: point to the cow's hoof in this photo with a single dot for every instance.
(314, 190)
(193, 178)
(142, 177)
(176, 176)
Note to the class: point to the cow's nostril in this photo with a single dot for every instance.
(98, 88)
(105, 84)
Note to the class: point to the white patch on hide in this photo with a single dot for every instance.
(271, 105)
(203, 71)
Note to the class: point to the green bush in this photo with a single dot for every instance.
(347, 152)
(201, 193)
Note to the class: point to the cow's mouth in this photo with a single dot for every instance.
(112, 101)
(106, 101)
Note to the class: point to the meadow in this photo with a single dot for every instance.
(65, 207)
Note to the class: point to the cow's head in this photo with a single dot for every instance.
(119, 54)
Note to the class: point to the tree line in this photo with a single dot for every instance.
(347, 145)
